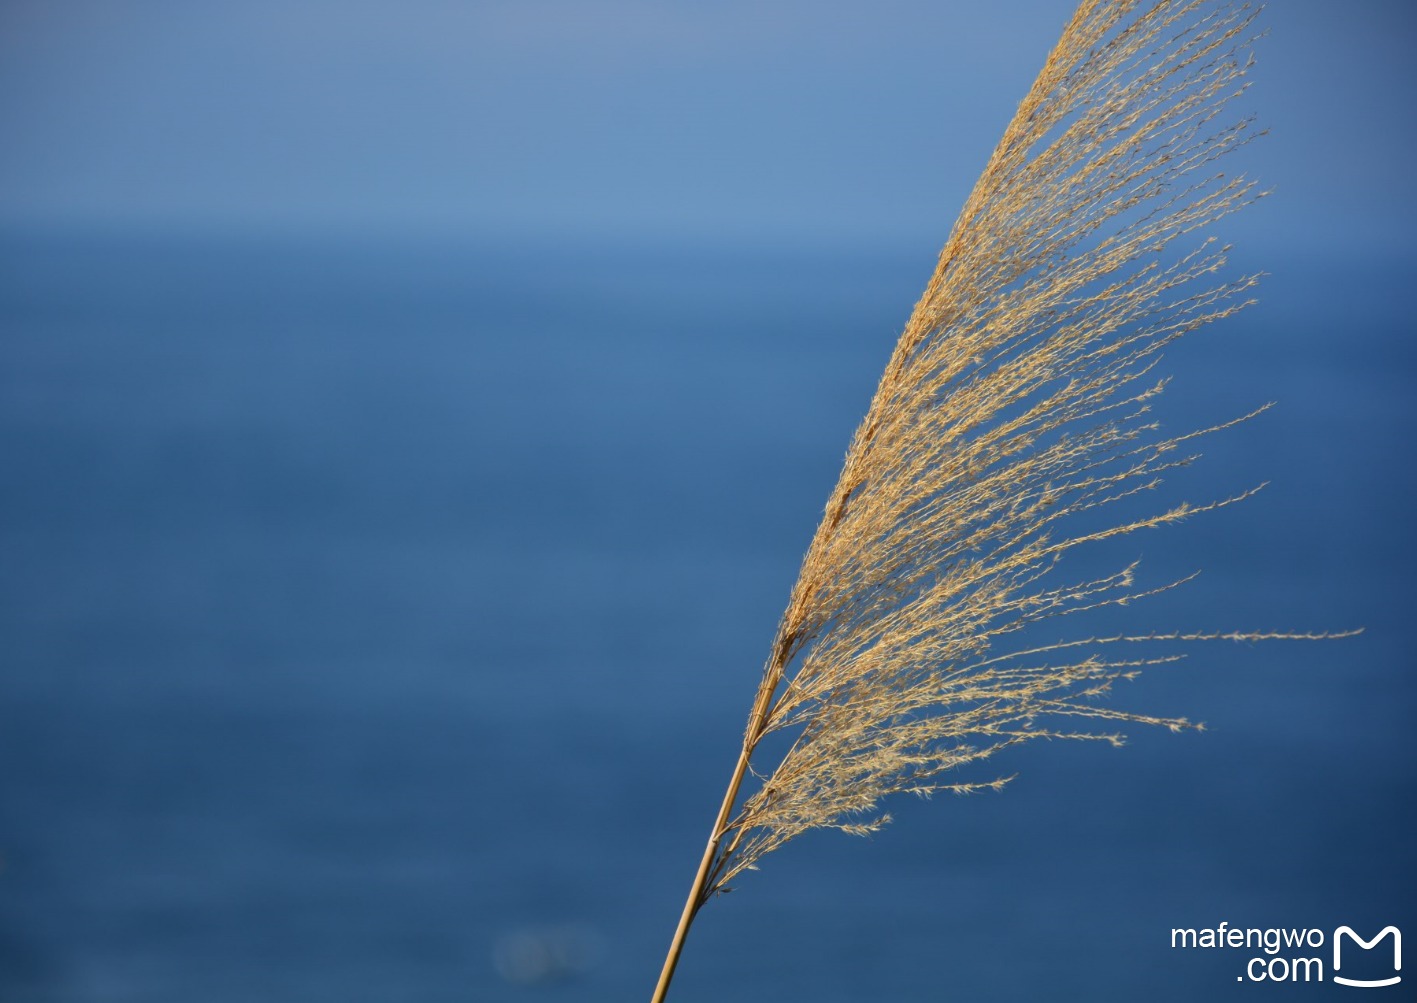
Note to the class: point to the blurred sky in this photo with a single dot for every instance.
(780, 120)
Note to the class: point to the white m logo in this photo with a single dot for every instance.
(1368, 945)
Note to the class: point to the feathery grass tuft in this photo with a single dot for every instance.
(1016, 399)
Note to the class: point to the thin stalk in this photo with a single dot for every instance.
(698, 891)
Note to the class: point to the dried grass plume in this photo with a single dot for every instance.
(1016, 399)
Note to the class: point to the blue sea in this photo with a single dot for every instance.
(380, 618)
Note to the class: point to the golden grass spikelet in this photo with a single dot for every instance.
(1016, 398)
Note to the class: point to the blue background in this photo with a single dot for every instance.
(411, 420)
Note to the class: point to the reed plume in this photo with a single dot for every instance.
(1016, 399)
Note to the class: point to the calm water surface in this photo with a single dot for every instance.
(379, 622)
